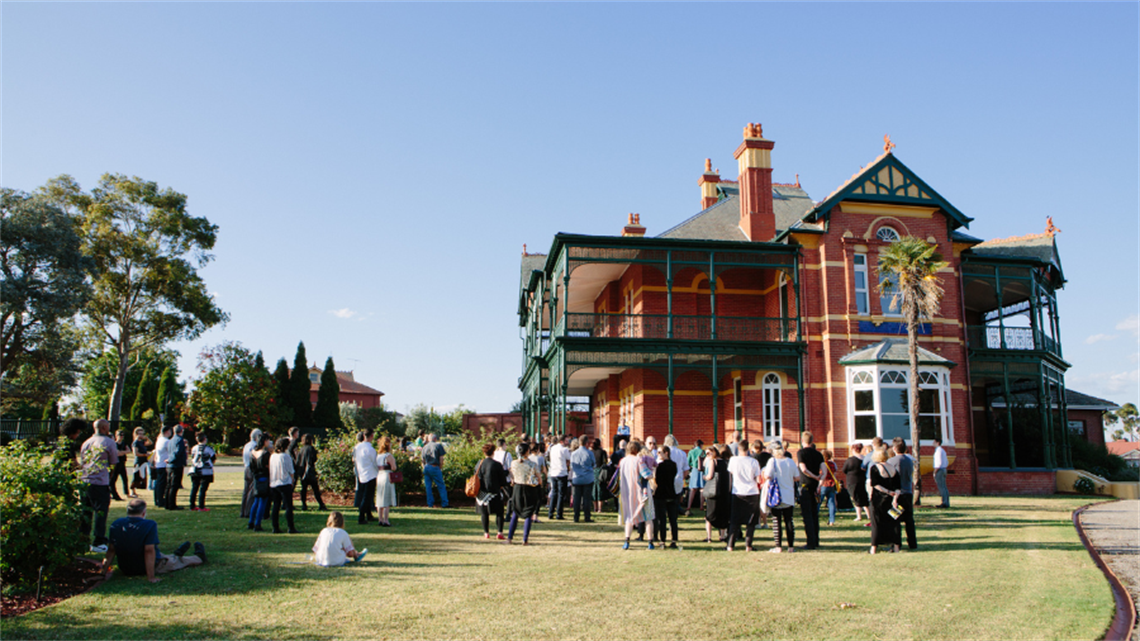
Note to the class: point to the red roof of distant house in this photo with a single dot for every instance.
(1120, 448)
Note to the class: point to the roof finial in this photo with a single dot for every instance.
(708, 165)
(1050, 228)
(887, 144)
(524, 249)
(797, 180)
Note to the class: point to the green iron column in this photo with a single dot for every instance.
(1008, 410)
(669, 318)
(1001, 317)
(799, 394)
(1044, 412)
(712, 298)
(670, 388)
(716, 401)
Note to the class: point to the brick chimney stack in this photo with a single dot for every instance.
(708, 183)
(757, 217)
(633, 227)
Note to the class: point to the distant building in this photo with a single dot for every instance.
(350, 390)
(1130, 452)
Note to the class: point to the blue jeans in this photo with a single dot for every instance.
(940, 481)
(433, 476)
(827, 495)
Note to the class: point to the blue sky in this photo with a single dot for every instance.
(376, 168)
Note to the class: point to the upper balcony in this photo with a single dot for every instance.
(682, 327)
(1011, 306)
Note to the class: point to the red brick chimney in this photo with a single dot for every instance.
(633, 227)
(757, 218)
(708, 183)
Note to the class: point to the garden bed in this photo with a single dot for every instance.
(79, 577)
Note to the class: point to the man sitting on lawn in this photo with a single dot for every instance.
(134, 538)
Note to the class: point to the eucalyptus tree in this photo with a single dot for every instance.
(908, 273)
(147, 250)
(43, 284)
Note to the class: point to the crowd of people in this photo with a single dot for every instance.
(742, 486)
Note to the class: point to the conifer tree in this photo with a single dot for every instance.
(299, 398)
(259, 361)
(282, 397)
(144, 395)
(168, 396)
(327, 412)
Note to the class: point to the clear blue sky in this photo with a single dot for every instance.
(376, 168)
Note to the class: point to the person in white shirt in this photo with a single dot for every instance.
(941, 464)
(502, 455)
(559, 460)
(781, 472)
(745, 472)
(162, 453)
(364, 458)
(281, 484)
(678, 456)
(334, 547)
(202, 456)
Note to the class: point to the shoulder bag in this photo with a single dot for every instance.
(709, 490)
(394, 475)
(473, 485)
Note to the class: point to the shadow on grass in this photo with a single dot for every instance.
(63, 624)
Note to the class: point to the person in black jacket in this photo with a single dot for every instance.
(307, 472)
(492, 480)
(174, 469)
(665, 496)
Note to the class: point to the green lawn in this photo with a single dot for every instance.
(990, 568)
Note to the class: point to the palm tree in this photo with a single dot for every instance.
(908, 273)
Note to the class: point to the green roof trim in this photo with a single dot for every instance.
(889, 193)
(893, 351)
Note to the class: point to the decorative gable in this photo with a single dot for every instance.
(889, 181)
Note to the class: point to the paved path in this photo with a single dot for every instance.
(1114, 529)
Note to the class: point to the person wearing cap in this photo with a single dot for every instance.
(134, 542)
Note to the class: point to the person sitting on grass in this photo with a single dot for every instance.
(334, 547)
(134, 540)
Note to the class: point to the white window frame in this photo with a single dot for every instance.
(874, 382)
(772, 407)
(862, 294)
(890, 230)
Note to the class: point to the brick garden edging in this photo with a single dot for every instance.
(1124, 620)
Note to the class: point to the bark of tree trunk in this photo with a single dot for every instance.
(915, 432)
(115, 410)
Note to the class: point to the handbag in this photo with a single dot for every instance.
(473, 485)
(396, 477)
(774, 499)
(709, 490)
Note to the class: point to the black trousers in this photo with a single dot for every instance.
(558, 499)
(120, 471)
(96, 503)
(198, 486)
(366, 501)
(160, 486)
(583, 499)
(305, 485)
(782, 520)
(666, 512)
(906, 504)
(282, 495)
(809, 511)
(173, 484)
(495, 506)
(746, 512)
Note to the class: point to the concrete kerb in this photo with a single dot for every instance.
(1124, 620)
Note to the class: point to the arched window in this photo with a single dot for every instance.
(887, 234)
(771, 393)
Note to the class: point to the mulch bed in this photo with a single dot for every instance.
(79, 577)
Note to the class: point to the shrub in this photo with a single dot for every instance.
(1095, 458)
(409, 464)
(1084, 486)
(465, 450)
(40, 511)
(334, 462)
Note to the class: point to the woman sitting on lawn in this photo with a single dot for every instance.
(526, 496)
(334, 547)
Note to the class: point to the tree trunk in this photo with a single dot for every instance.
(115, 411)
(915, 432)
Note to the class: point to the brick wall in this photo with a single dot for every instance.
(1019, 482)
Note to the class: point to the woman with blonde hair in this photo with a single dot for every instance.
(385, 488)
(781, 473)
(334, 547)
(885, 484)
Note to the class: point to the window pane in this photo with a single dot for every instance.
(928, 401)
(894, 400)
(861, 303)
(864, 401)
(895, 425)
(928, 427)
(864, 427)
(860, 280)
(739, 413)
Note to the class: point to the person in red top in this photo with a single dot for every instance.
(829, 487)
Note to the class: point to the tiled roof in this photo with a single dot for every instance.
(530, 262)
(346, 381)
(962, 237)
(892, 350)
(1122, 448)
(1036, 246)
(722, 220)
(1075, 399)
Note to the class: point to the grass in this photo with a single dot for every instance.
(990, 568)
